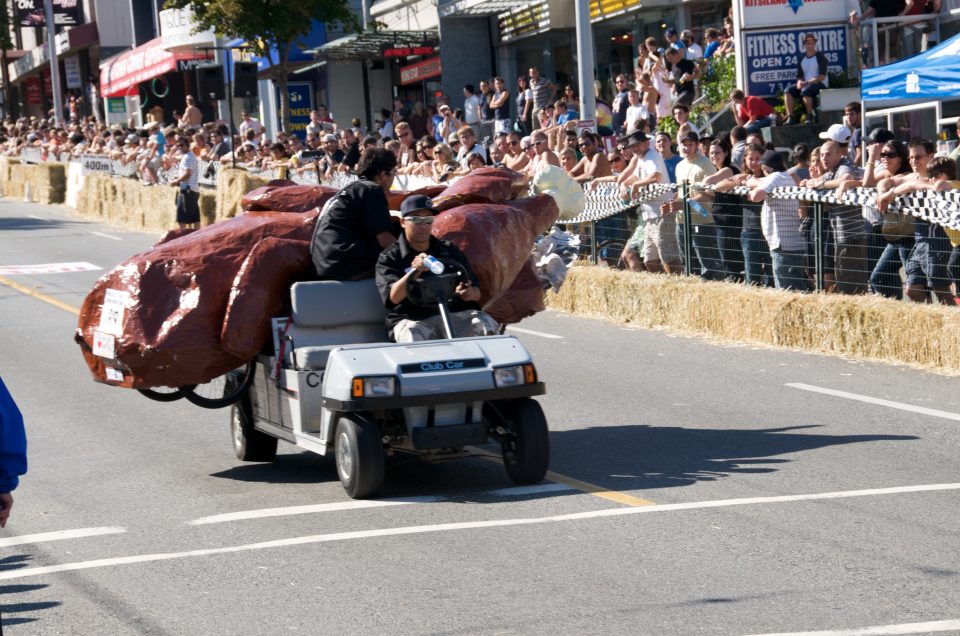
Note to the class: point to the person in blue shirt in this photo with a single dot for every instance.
(13, 451)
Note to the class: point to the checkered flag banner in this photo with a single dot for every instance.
(941, 208)
(604, 200)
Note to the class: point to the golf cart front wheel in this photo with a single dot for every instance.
(359, 454)
(526, 450)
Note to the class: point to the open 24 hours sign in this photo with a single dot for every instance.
(772, 56)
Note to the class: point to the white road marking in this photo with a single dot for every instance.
(48, 268)
(39, 218)
(59, 535)
(534, 333)
(872, 400)
(904, 628)
(464, 525)
(244, 515)
(309, 509)
(115, 238)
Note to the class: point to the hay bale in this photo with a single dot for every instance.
(858, 326)
(232, 184)
(48, 182)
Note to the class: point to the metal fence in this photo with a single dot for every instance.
(841, 244)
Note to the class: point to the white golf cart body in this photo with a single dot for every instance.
(332, 361)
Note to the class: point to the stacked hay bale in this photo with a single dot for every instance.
(860, 326)
(45, 183)
(232, 184)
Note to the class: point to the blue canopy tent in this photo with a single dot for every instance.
(931, 75)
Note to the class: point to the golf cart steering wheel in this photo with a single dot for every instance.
(425, 291)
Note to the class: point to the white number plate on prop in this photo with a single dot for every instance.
(111, 312)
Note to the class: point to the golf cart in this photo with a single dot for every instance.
(334, 382)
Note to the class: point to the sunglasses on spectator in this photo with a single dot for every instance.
(514, 143)
(419, 220)
(889, 155)
(538, 143)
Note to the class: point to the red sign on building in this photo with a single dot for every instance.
(32, 89)
(420, 71)
(47, 83)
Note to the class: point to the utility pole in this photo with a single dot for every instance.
(585, 78)
(54, 64)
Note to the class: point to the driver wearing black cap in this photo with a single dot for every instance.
(405, 261)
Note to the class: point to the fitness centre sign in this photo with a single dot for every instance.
(772, 56)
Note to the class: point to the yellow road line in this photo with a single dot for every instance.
(592, 489)
(582, 486)
(39, 296)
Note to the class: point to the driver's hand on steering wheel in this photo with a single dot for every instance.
(419, 262)
(468, 292)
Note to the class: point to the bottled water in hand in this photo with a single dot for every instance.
(433, 264)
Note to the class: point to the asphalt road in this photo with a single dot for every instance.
(697, 488)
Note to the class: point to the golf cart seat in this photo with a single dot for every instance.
(328, 314)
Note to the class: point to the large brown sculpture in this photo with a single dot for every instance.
(198, 305)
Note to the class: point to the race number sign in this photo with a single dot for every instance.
(111, 313)
(772, 56)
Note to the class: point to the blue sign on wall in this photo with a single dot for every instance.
(772, 56)
(300, 99)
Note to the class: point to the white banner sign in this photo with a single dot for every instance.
(95, 163)
(787, 13)
(71, 68)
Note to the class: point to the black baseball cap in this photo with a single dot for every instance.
(690, 136)
(415, 203)
(637, 137)
(773, 160)
(880, 135)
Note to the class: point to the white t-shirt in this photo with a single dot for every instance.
(694, 52)
(251, 124)
(471, 110)
(811, 70)
(635, 115)
(651, 163)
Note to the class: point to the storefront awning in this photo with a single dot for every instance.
(372, 44)
(122, 72)
(477, 8)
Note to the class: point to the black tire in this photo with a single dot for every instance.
(162, 394)
(359, 453)
(249, 444)
(526, 451)
(221, 391)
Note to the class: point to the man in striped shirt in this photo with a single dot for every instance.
(543, 92)
(188, 198)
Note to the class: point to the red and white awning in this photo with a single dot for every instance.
(121, 74)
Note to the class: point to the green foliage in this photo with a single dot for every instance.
(668, 124)
(6, 41)
(718, 79)
(265, 24)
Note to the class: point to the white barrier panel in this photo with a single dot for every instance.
(75, 179)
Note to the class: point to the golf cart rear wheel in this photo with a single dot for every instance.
(359, 454)
(249, 444)
(163, 393)
(526, 451)
(223, 390)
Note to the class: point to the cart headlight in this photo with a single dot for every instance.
(514, 376)
(373, 387)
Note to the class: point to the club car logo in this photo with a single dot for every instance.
(442, 365)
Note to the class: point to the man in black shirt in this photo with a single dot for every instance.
(683, 72)
(355, 225)
(405, 261)
(350, 146)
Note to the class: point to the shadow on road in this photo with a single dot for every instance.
(26, 223)
(642, 456)
(8, 611)
(294, 468)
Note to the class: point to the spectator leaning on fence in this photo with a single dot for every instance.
(780, 219)
(926, 266)
(594, 163)
(660, 250)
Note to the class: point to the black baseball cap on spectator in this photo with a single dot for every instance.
(880, 135)
(670, 31)
(690, 136)
(415, 203)
(773, 160)
(636, 138)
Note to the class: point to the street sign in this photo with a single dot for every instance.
(772, 55)
(300, 97)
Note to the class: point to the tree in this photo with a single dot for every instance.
(269, 24)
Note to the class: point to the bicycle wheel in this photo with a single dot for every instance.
(221, 391)
(163, 393)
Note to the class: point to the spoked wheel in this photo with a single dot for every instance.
(526, 447)
(249, 444)
(221, 391)
(164, 393)
(359, 457)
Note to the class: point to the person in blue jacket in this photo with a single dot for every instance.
(13, 451)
